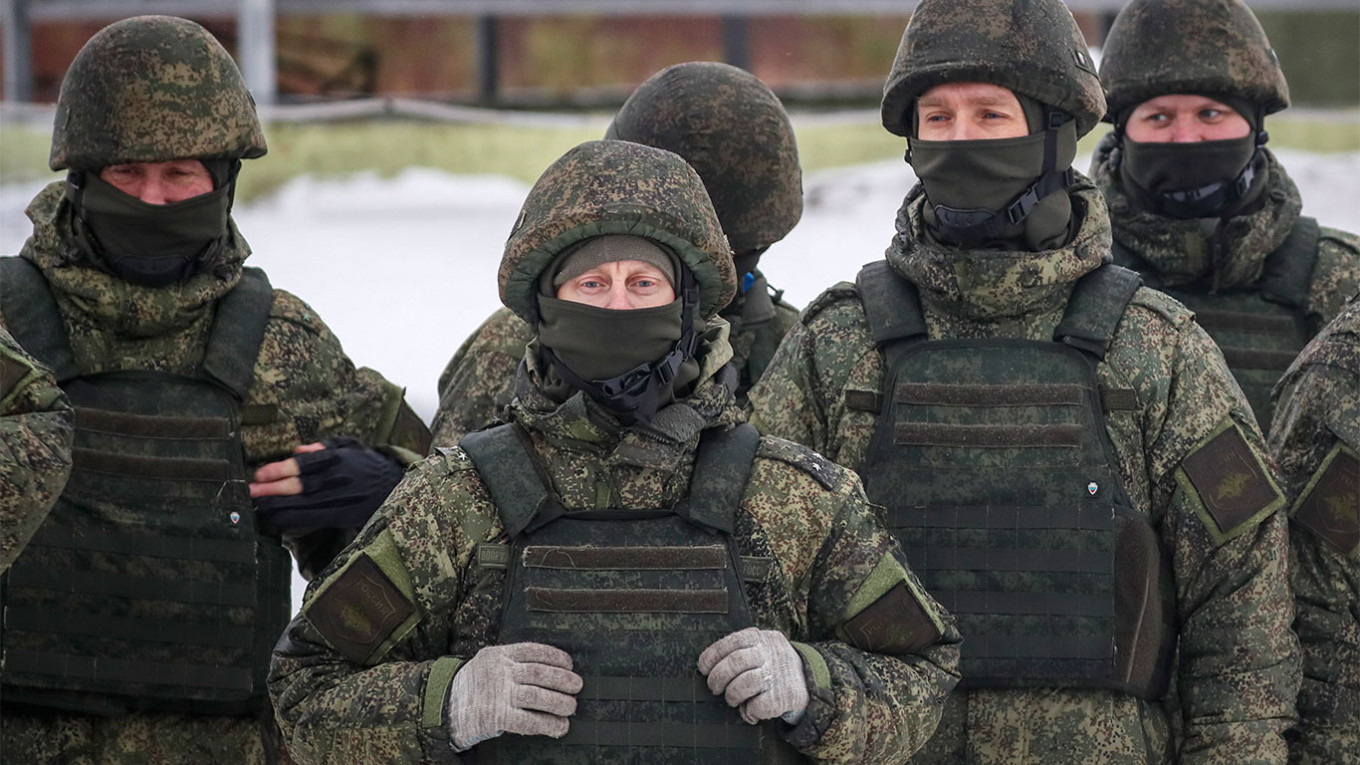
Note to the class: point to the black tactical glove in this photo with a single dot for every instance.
(342, 485)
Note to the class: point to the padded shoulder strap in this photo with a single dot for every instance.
(238, 331)
(32, 316)
(721, 469)
(891, 304)
(1097, 303)
(512, 477)
(1288, 271)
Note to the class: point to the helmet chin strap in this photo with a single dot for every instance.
(972, 225)
(1207, 201)
(637, 393)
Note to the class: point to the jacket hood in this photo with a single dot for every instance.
(1180, 251)
(988, 285)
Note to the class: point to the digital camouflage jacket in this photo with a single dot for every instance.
(1185, 255)
(1316, 439)
(35, 433)
(478, 382)
(1238, 661)
(829, 555)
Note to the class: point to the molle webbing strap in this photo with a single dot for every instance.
(133, 587)
(891, 304)
(987, 436)
(618, 601)
(721, 468)
(512, 477)
(163, 468)
(626, 558)
(1288, 271)
(1095, 308)
(148, 545)
(238, 331)
(151, 426)
(32, 316)
(928, 394)
(124, 671)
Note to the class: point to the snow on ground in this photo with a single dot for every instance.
(402, 269)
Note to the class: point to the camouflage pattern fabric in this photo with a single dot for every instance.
(1031, 47)
(140, 739)
(1157, 47)
(305, 390)
(35, 446)
(1181, 250)
(1316, 431)
(734, 132)
(1237, 670)
(153, 89)
(807, 514)
(477, 384)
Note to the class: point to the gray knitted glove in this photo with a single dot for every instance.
(759, 672)
(525, 688)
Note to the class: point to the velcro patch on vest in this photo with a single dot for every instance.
(626, 558)
(626, 601)
(864, 401)
(1231, 483)
(1330, 506)
(359, 610)
(896, 623)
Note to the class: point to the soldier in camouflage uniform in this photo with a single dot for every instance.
(1199, 206)
(735, 133)
(1316, 440)
(625, 570)
(1062, 452)
(35, 433)
(139, 619)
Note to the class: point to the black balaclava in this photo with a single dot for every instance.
(631, 361)
(146, 244)
(1198, 179)
(1006, 193)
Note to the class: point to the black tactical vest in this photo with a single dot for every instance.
(1261, 328)
(147, 586)
(992, 461)
(634, 597)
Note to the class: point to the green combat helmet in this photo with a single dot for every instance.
(153, 89)
(1032, 47)
(1214, 47)
(617, 187)
(732, 129)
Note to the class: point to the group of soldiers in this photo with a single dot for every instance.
(1006, 498)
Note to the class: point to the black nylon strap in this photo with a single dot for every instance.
(891, 304)
(238, 331)
(1095, 308)
(1089, 647)
(511, 476)
(148, 545)
(151, 426)
(1003, 517)
(663, 734)
(721, 468)
(133, 587)
(136, 672)
(32, 316)
(142, 629)
(1288, 271)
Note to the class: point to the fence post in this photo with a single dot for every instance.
(736, 41)
(488, 59)
(18, 42)
(256, 48)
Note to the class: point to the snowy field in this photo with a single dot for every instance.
(402, 269)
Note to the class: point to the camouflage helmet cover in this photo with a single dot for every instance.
(1032, 47)
(617, 187)
(734, 131)
(153, 89)
(1156, 47)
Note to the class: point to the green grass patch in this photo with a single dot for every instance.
(389, 146)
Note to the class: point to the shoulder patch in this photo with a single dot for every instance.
(359, 610)
(455, 459)
(12, 372)
(1232, 483)
(822, 470)
(841, 291)
(1329, 506)
(894, 624)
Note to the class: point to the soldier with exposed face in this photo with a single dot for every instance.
(1065, 458)
(1198, 205)
(35, 446)
(734, 132)
(623, 572)
(1316, 440)
(139, 619)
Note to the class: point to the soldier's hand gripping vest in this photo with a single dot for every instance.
(1260, 328)
(634, 597)
(147, 587)
(992, 460)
